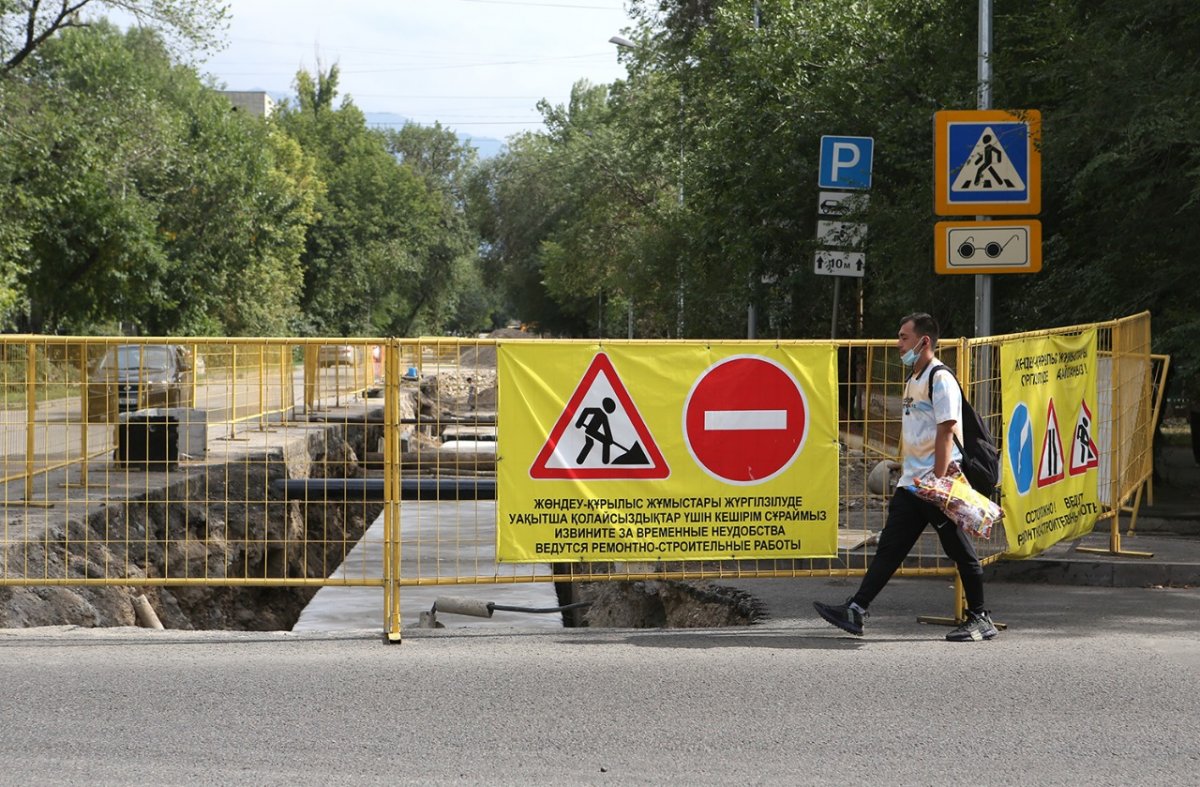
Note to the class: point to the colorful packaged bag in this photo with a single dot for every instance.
(964, 506)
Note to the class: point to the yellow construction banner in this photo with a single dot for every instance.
(680, 451)
(1051, 459)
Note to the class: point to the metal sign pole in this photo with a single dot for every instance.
(983, 282)
(837, 292)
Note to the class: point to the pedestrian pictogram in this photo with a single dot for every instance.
(1051, 467)
(600, 434)
(988, 167)
(1084, 454)
(987, 162)
(745, 419)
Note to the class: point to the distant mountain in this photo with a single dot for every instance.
(486, 146)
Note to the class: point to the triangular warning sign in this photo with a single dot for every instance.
(1051, 467)
(600, 434)
(988, 168)
(1084, 454)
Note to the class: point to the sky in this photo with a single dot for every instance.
(477, 66)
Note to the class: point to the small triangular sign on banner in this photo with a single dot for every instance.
(1084, 454)
(600, 434)
(1051, 466)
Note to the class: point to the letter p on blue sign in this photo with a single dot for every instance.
(846, 162)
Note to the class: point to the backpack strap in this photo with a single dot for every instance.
(933, 373)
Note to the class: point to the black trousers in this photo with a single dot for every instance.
(907, 517)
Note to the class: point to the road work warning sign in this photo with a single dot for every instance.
(676, 451)
(600, 433)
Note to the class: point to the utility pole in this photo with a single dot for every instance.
(983, 281)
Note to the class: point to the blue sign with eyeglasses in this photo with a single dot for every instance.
(846, 162)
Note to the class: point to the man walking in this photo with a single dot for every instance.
(930, 426)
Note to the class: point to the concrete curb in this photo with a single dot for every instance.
(1131, 572)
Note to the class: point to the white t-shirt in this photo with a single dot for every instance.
(921, 418)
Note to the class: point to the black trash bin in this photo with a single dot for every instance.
(148, 440)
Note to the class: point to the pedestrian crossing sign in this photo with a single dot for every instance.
(987, 162)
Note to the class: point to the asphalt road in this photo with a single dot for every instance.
(1087, 686)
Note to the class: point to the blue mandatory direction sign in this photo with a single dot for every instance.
(846, 162)
(1020, 448)
(988, 162)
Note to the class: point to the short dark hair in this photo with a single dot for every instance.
(923, 324)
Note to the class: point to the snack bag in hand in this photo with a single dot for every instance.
(965, 507)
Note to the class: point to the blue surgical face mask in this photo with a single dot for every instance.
(912, 354)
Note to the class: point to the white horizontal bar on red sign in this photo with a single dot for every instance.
(730, 420)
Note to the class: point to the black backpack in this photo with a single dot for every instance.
(981, 457)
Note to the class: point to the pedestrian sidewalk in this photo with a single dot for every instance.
(1169, 530)
(1163, 550)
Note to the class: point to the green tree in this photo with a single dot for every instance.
(456, 298)
(380, 259)
(145, 198)
(26, 25)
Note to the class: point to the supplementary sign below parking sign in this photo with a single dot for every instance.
(839, 263)
(846, 162)
(748, 432)
(987, 162)
(1013, 246)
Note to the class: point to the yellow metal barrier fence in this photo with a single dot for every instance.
(306, 463)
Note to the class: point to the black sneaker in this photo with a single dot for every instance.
(978, 626)
(841, 615)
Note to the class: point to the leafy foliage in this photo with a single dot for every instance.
(26, 25)
(153, 200)
(703, 165)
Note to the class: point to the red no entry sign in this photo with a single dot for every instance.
(745, 419)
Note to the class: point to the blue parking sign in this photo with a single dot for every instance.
(846, 162)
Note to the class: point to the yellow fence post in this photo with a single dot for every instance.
(233, 378)
(310, 378)
(195, 371)
(287, 403)
(84, 414)
(262, 388)
(30, 415)
(391, 473)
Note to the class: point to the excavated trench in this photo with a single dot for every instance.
(211, 522)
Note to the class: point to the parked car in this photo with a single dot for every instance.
(335, 355)
(138, 376)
